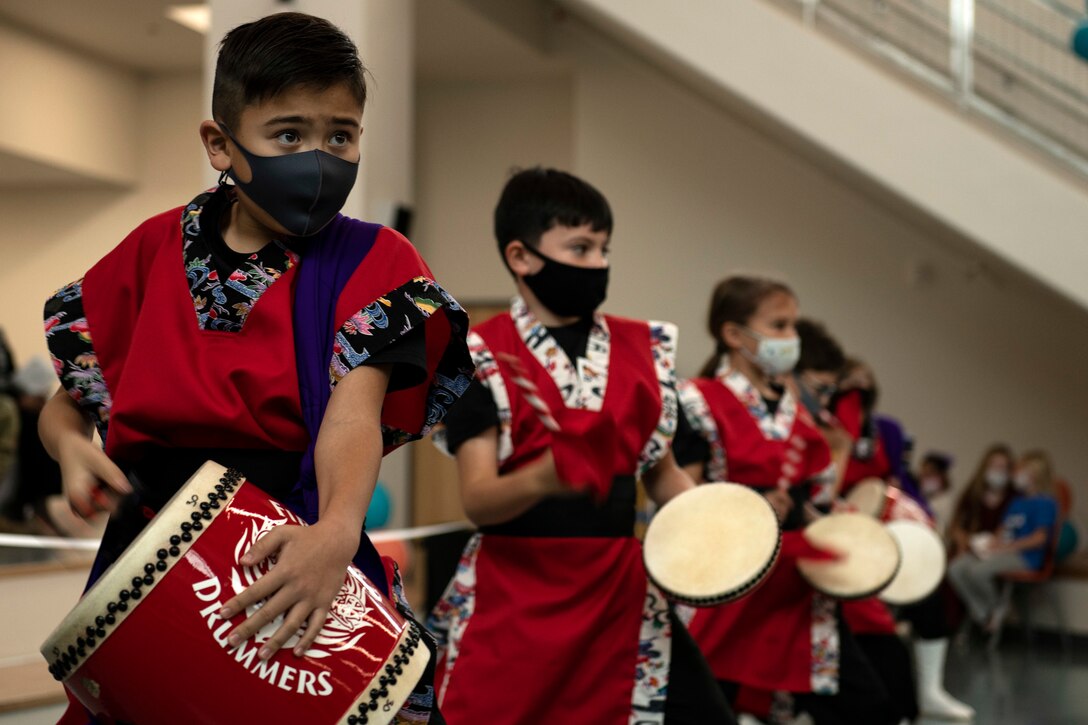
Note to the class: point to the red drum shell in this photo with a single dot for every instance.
(166, 659)
(876, 498)
(870, 497)
(904, 508)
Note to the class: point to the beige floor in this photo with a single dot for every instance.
(37, 716)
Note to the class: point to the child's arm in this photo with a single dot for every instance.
(489, 498)
(310, 560)
(84, 467)
(694, 471)
(666, 479)
(841, 446)
(1027, 542)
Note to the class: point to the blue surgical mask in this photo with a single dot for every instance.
(302, 191)
(774, 355)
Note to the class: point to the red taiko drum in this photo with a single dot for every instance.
(876, 498)
(145, 644)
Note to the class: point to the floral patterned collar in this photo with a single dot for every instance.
(582, 383)
(774, 427)
(225, 286)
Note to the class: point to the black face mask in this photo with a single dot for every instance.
(809, 399)
(302, 191)
(566, 290)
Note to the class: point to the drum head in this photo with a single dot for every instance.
(869, 497)
(870, 556)
(711, 544)
(923, 565)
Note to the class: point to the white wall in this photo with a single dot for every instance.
(963, 361)
(469, 136)
(65, 109)
(51, 236)
(920, 149)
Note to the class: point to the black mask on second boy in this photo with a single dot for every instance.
(567, 290)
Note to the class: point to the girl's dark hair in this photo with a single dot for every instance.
(537, 199)
(968, 512)
(736, 299)
(261, 59)
(819, 350)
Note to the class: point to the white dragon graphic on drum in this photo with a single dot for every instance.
(349, 615)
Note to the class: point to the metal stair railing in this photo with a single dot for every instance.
(1008, 61)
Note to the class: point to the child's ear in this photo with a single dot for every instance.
(730, 333)
(215, 143)
(517, 258)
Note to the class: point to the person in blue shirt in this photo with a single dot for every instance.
(1021, 543)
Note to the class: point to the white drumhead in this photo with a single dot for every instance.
(870, 556)
(923, 565)
(712, 543)
(869, 497)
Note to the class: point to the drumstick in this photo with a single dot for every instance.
(529, 392)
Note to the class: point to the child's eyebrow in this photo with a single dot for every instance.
(287, 119)
(337, 121)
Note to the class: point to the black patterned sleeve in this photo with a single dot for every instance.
(72, 349)
(688, 446)
(416, 317)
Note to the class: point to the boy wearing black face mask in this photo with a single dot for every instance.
(237, 327)
(550, 617)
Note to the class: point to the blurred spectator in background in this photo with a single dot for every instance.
(982, 504)
(1021, 542)
(7, 363)
(35, 476)
(9, 419)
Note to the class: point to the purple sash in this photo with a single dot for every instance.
(325, 269)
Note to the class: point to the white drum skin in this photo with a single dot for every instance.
(712, 544)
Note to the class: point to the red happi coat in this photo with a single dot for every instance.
(850, 413)
(870, 615)
(782, 636)
(543, 627)
(170, 384)
(174, 384)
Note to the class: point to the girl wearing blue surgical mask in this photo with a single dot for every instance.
(747, 425)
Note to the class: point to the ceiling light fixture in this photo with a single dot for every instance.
(196, 16)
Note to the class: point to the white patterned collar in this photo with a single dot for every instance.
(581, 383)
(774, 427)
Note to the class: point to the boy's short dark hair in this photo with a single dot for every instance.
(261, 59)
(537, 199)
(819, 351)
